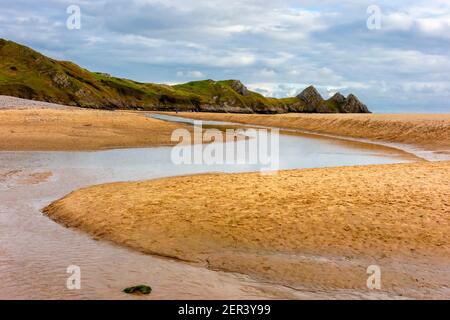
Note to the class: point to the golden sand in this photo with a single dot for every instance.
(78, 129)
(429, 131)
(318, 228)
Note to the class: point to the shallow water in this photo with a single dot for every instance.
(391, 147)
(35, 251)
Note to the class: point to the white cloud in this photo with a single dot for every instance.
(278, 46)
(190, 74)
(266, 73)
(431, 19)
(419, 87)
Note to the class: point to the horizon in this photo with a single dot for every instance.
(321, 45)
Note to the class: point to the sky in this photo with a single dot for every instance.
(394, 55)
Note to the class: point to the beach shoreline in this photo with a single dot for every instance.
(425, 135)
(78, 129)
(344, 220)
(312, 230)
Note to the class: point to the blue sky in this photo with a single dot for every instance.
(276, 47)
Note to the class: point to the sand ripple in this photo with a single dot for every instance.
(314, 227)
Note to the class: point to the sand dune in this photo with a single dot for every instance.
(428, 131)
(319, 228)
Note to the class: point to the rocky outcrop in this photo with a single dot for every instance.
(311, 98)
(31, 75)
(240, 88)
(353, 105)
(61, 81)
(311, 101)
(338, 98)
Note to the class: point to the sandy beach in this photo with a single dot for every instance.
(309, 230)
(80, 129)
(314, 228)
(427, 131)
(248, 152)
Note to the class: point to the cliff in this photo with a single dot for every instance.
(25, 73)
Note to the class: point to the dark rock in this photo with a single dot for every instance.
(140, 289)
(326, 107)
(312, 99)
(341, 104)
(338, 98)
(298, 106)
(353, 105)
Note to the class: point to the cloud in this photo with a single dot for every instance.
(278, 47)
(190, 74)
(431, 19)
(278, 90)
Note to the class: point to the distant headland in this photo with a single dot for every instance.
(25, 73)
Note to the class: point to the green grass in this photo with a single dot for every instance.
(28, 74)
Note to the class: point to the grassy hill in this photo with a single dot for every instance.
(28, 74)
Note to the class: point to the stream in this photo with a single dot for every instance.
(35, 251)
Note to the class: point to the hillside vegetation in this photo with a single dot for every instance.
(25, 73)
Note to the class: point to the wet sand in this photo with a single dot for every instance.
(427, 131)
(312, 228)
(35, 251)
(80, 129)
(299, 234)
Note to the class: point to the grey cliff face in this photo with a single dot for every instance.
(338, 98)
(353, 105)
(311, 98)
(240, 88)
(311, 101)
